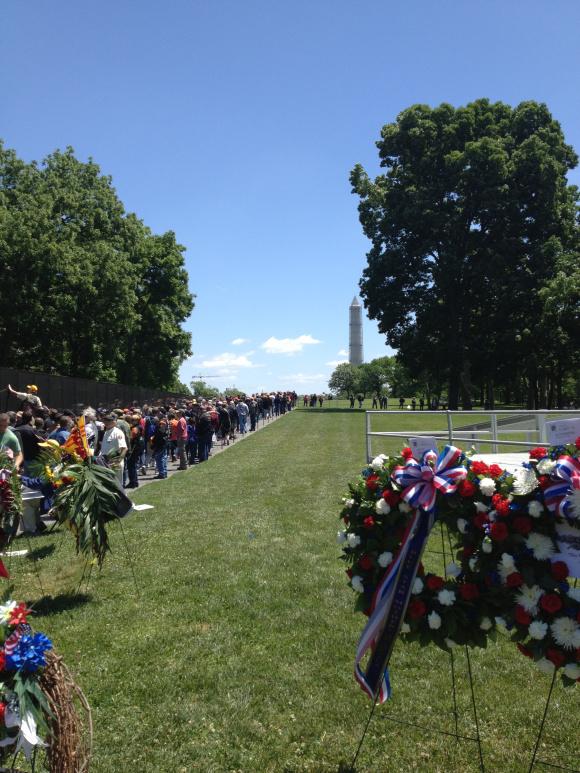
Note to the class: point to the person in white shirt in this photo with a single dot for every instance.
(114, 446)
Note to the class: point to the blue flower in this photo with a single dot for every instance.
(29, 654)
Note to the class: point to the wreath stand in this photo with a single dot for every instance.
(446, 553)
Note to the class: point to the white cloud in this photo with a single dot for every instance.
(334, 363)
(240, 341)
(228, 361)
(304, 378)
(342, 353)
(288, 345)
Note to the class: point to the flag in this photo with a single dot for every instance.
(77, 443)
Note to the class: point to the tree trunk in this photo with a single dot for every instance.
(466, 387)
(453, 390)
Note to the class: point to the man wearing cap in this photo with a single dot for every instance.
(114, 446)
(29, 397)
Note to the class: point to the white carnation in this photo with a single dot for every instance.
(453, 569)
(385, 559)
(487, 486)
(525, 481)
(357, 583)
(353, 540)
(349, 502)
(405, 628)
(545, 665)
(566, 633)
(480, 507)
(382, 507)
(535, 508)
(377, 463)
(434, 620)
(575, 503)
(485, 624)
(541, 546)
(506, 565)
(404, 507)
(462, 525)
(417, 586)
(538, 630)
(545, 466)
(450, 643)
(572, 670)
(487, 545)
(528, 597)
(341, 537)
(446, 597)
(472, 564)
(6, 611)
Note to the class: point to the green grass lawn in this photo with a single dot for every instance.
(237, 653)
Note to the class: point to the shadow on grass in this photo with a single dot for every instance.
(53, 605)
(39, 553)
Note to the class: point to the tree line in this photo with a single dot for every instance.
(474, 268)
(385, 376)
(88, 290)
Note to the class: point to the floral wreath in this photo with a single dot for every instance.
(507, 574)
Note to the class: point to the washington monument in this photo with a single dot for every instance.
(355, 333)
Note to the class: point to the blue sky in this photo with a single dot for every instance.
(236, 124)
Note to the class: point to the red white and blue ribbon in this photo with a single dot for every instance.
(420, 481)
(566, 477)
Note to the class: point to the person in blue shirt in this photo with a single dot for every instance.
(62, 433)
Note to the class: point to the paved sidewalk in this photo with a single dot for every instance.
(172, 467)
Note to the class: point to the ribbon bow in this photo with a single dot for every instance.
(420, 481)
(558, 496)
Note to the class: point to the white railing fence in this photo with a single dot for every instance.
(463, 426)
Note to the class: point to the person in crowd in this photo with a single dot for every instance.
(243, 413)
(421, 403)
(225, 425)
(159, 445)
(305, 401)
(62, 431)
(10, 440)
(414, 404)
(375, 402)
(29, 398)
(320, 400)
(172, 435)
(351, 400)
(360, 399)
(29, 439)
(253, 412)
(401, 403)
(114, 446)
(135, 450)
(204, 435)
(191, 439)
(234, 420)
(181, 438)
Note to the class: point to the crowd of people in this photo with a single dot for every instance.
(139, 439)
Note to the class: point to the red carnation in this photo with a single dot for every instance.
(495, 471)
(498, 531)
(19, 614)
(349, 573)
(538, 453)
(521, 616)
(501, 505)
(366, 563)
(514, 580)
(577, 443)
(346, 519)
(2, 660)
(2, 711)
(467, 488)
(479, 468)
(406, 453)
(469, 591)
(524, 650)
(480, 520)
(434, 583)
(391, 497)
(544, 481)
(416, 609)
(523, 524)
(556, 657)
(372, 482)
(369, 522)
(559, 570)
(551, 603)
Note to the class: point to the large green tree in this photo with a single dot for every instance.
(467, 224)
(92, 292)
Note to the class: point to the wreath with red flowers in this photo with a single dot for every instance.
(503, 530)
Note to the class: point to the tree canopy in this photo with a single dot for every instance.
(92, 292)
(470, 224)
